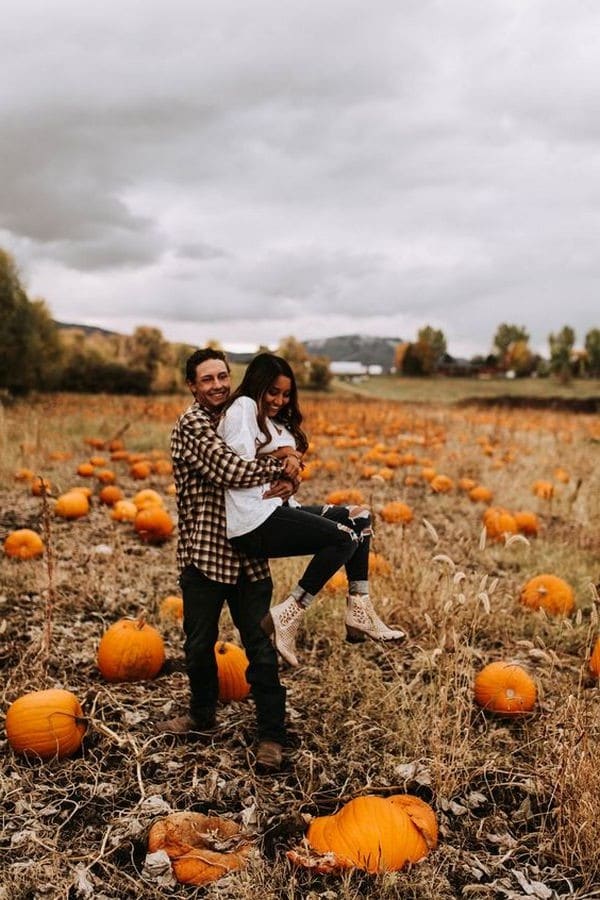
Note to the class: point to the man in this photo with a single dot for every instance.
(211, 570)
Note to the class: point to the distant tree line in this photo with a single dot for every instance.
(36, 354)
(510, 355)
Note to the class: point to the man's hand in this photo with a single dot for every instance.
(282, 488)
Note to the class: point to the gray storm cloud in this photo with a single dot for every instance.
(265, 169)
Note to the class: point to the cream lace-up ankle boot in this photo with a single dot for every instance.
(282, 621)
(362, 621)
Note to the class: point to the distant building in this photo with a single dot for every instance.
(351, 370)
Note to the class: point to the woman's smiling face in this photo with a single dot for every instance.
(277, 396)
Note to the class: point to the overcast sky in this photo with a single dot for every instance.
(249, 170)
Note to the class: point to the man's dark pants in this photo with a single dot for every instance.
(249, 602)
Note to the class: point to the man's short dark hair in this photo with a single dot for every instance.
(200, 356)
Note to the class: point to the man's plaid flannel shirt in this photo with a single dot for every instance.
(203, 465)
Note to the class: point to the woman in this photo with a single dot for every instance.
(263, 416)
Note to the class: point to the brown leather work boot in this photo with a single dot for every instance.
(186, 725)
(269, 756)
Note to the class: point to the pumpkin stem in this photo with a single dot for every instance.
(222, 648)
(141, 620)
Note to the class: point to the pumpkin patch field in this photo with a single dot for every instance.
(462, 762)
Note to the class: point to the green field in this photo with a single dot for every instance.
(455, 390)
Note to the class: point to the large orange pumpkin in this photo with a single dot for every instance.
(130, 650)
(376, 834)
(505, 688)
(550, 593)
(47, 723)
(232, 663)
(147, 497)
(23, 544)
(195, 845)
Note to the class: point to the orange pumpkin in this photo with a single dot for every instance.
(396, 511)
(505, 688)
(195, 845)
(124, 511)
(350, 496)
(466, 484)
(499, 522)
(153, 524)
(72, 505)
(428, 473)
(480, 494)
(548, 592)
(140, 470)
(543, 489)
(162, 467)
(441, 484)
(24, 475)
(595, 659)
(147, 497)
(86, 470)
(337, 584)
(130, 650)
(23, 544)
(47, 723)
(376, 834)
(527, 522)
(109, 494)
(106, 476)
(97, 460)
(40, 486)
(378, 564)
(232, 663)
(171, 608)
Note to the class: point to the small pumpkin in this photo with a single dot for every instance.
(85, 470)
(24, 475)
(396, 511)
(162, 467)
(147, 497)
(441, 484)
(124, 511)
(527, 522)
(97, 461)
(201, 848)
(140, 470)
(428, 473)
(72, 505)
(466, 484)
(153, 524)
(46, 723)
(171, 608)
(505, 688)
(106, 476)
(130, 650)
(350, 496)
(337, 584)
(595, 660)
(480, 494)
(378, 564)
(376, 834)
(24, 544)
(40, 486)
(499, 522)
(109, 494)
(548, 592)
(543, 489)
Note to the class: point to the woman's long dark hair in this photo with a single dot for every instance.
(258, 377)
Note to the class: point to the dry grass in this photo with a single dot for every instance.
(516, 799)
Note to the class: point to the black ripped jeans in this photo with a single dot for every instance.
(329, 532)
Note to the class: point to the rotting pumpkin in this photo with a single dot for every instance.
(200, 848)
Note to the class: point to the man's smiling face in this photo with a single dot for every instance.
(212, 384)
